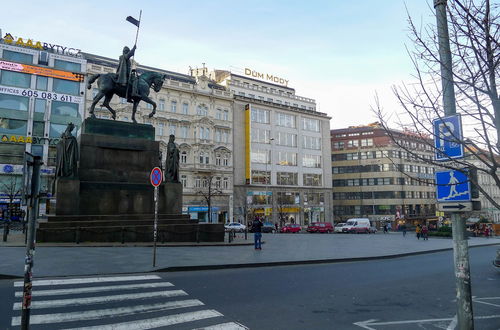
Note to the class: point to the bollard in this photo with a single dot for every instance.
(6, 228)
(246, 231)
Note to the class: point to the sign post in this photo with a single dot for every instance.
(156, 177)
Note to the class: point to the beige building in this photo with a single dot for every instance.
(200, 115)
(282, 168)
(374, 178)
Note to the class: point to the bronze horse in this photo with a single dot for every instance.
(108, 87)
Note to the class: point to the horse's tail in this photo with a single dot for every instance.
(91, 80)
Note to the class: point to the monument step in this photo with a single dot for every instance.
(114, 217)
(114, 223)
(142, 233)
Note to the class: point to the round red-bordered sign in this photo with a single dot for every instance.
(156, 177)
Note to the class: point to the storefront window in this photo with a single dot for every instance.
(11, 153)
(17, 57)
(286, 178)
(287, 198)
(66, 86)
(14, 102)
(13, 126)
(37, 150)
(68, 66)
(16, 79)
(312, 179)
(261, 177)
(64, 109)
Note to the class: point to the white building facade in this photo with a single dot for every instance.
(281, 144)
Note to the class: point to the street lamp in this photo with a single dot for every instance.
(268, 179)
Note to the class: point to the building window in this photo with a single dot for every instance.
(286, 179)
(218, 160)
(185, 108)
(287, 139)
(225, 183)
(261, 177)
(367, 142)
(218, 114)
(184, 181)
(260, 156)
(123, 100)
(311, 161)
(160, 129)
(202, 110)
(56, 130)
(225, 115)
(40, 105)
(42, 82)
(161, 105)
(149, 106)
(287, 158)
(285, 120)
(38, 129)
(16, 79)
(260, 116)
(14, 102)
(260, 135)
(312, 179)
(225, 160)
(13, 126)
(309, 124)
(173, 106)
(310, 142)
(64, 109)
(17, 57)
(67, 66)
(184, 132)
(204, 133)
(66, 86)
(338, 145)
(352, 143)
(197, 182)
(171, 129)
(183, 157)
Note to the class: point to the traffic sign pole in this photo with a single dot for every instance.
(465, 318)
(156, 177)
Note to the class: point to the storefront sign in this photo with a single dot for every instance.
(41, 71)
(202, 209)
(28, 139)
(30, 43)
(266, 76)
(40, 94)
(18, 169)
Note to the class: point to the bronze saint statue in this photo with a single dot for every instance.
(67, 154)
(124, 66)
(172, 163)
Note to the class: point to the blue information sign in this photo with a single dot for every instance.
(452, 186)
(447, 137)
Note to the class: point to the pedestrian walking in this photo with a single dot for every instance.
(385, 229)
(425, 232)
(403, 228)
(418, 231)
(257, 233)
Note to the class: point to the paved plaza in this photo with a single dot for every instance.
(89, 259)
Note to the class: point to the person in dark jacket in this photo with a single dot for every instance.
(257, 233)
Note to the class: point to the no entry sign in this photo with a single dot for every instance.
(156, 177)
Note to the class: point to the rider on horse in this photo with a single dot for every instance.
(124, 77)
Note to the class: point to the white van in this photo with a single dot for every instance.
(357, 225)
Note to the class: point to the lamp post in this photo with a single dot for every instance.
(268, 179)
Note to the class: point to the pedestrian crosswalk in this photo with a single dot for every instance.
(116, 302)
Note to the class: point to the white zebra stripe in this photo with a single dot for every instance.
(157, 322)
(89, 280)
(224, 326)
(39, 293)
(101, 299)
(102, 313)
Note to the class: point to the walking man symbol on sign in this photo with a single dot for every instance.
(453, 185)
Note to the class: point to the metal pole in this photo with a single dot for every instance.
(465, 317)
(155, 227)
(30, 246)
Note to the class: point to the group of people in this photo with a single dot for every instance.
(422, 231)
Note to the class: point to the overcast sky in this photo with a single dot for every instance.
(337, 52)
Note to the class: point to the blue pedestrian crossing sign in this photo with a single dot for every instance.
(447, 137)
(452, 186)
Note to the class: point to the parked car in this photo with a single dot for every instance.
(268, 227)
(320, 227)
(338, 227)
(357, 225)
(291, 228)
(235, 226)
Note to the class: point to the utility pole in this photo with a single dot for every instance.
(465, 318)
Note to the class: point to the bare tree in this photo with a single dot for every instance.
(474, 33)
(12, 189)
(281, 208)
(210, 189)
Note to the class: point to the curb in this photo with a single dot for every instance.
(261, 264)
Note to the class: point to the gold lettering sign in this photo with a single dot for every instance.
(266, 76)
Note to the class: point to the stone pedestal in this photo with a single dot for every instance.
(171, 193)
(70, 189)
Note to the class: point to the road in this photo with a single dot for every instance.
(415, 292)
